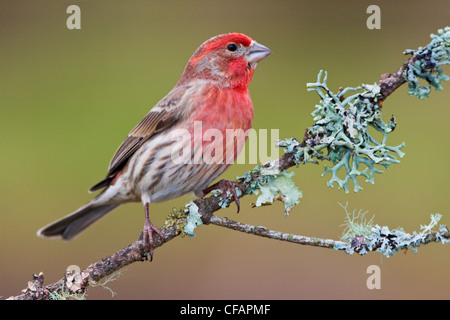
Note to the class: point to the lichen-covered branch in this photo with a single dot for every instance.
(339, 135)
(383, 240)
(388, 242)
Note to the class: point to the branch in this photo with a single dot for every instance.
(78, 283)
(389, 82)
(422, 64)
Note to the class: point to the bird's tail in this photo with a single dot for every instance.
(72, 224)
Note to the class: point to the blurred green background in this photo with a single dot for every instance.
(69, 97)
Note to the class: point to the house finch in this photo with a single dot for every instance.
(212, 94)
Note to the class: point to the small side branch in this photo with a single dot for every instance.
(278, 235)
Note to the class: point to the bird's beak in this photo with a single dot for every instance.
(256, 52)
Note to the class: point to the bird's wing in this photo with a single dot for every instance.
(162, 116)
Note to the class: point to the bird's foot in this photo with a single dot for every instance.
(147, 233)
(224, 186)
(147, 236)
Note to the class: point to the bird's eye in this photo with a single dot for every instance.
(232, 47)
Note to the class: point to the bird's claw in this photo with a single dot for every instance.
(224, 186)
(147, 237)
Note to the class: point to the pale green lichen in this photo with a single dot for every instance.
(341, 128)
(388, 242)
(440, 235)
(356, 224)
(66, 294)
(349, 130)
(193, 220)
(224, 202)
(112, 277)
(280, 187)
(273, 185)
(428, 64)
(175, 219)
(433, 223)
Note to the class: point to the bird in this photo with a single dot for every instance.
(161, 158)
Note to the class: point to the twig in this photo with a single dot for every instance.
(267, 233)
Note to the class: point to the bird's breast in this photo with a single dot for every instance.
(221, 122)
(224, 108)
